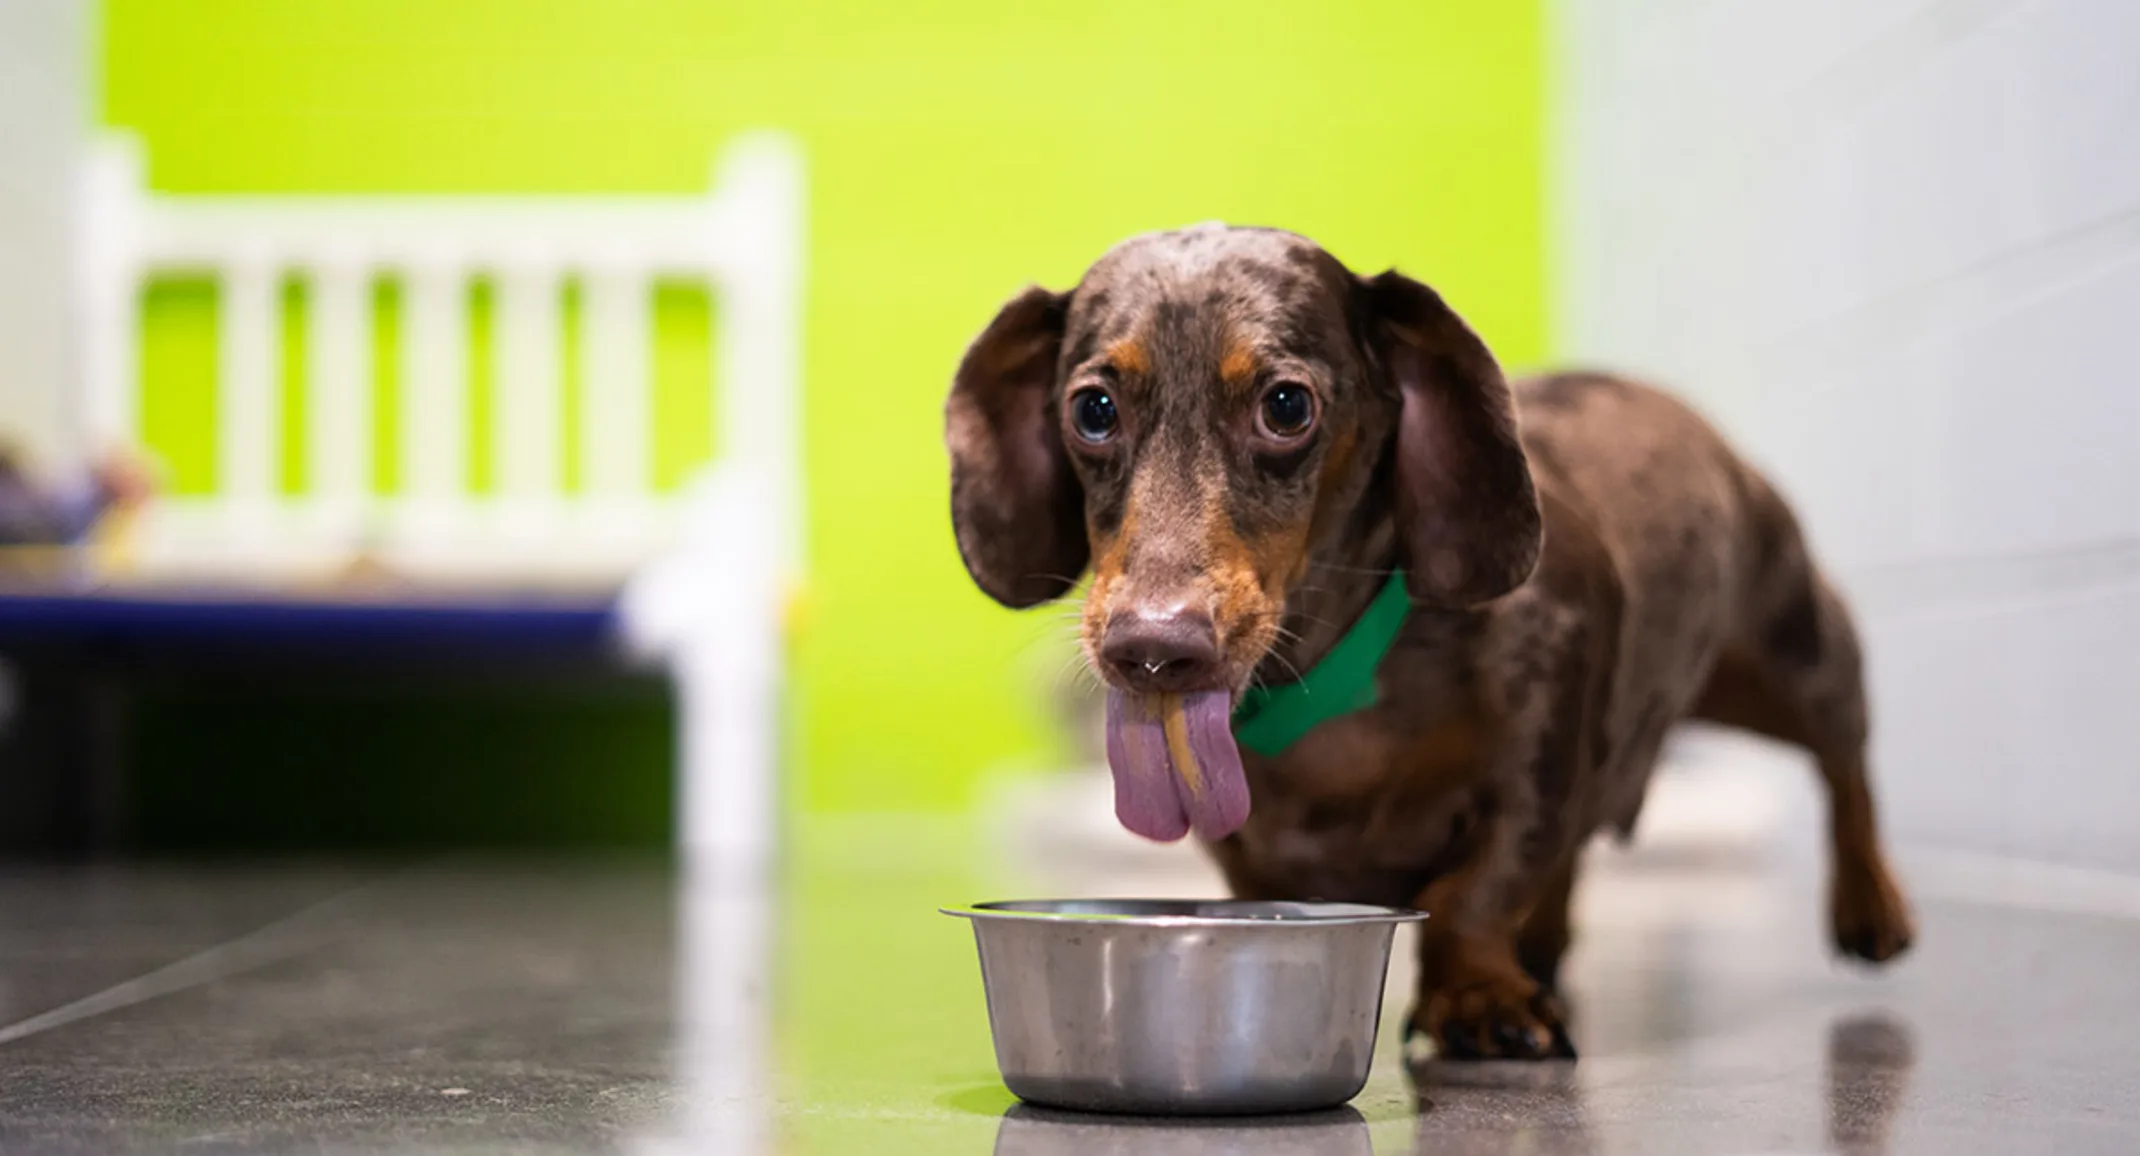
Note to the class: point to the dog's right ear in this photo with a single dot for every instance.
(1016, 505)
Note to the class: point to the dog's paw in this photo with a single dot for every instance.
(1492, 1021)
(1867, 914)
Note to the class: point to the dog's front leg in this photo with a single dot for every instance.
(1476, 1001)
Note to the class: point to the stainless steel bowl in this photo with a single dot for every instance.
(1177, 1007)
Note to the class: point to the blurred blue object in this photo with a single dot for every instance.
(550, 631)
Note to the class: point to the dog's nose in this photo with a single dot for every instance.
(1162, 651)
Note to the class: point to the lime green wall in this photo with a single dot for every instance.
(958, 149)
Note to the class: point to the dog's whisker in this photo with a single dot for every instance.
(1077, 670)
(1340, 567)
(1282, 660)
(1317, 620)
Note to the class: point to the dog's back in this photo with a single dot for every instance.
(1662, 493)
(1725, 615)
(1703, 550)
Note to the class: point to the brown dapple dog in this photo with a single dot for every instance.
(1241, 441)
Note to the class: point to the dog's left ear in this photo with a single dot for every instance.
(1467, 513)
(1016, 505)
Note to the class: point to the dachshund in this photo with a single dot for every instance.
(1470, 611)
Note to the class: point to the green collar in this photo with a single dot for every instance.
(1272, 718)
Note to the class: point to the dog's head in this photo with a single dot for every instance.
(1196, 418)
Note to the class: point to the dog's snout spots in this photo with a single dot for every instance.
(1180, 600)
(1112, 554)
(1247, 577)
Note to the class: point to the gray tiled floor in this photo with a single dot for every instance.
(610, 1008)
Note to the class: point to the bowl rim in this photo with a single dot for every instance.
(1310, 914)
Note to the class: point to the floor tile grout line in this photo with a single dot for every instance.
(270, 943)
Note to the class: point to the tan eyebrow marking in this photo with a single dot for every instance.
(1238, 368)
(1129, 356)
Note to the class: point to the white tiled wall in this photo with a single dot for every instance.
(1893, 247)
(43, 121)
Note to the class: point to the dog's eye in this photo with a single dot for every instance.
(1288, 411)
(1092, 414)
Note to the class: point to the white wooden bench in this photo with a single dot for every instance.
(706, 572)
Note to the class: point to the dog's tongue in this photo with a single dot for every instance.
(1175, 763)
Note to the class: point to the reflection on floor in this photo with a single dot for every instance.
(611, 1007)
